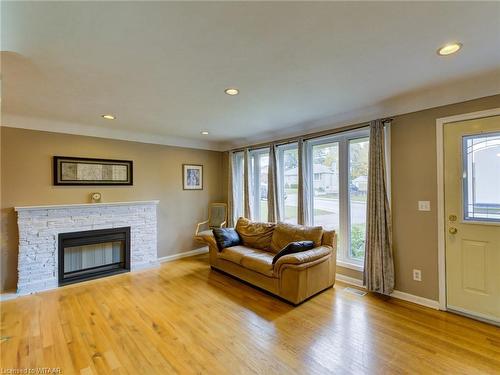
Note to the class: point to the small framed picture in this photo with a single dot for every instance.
(192, 176)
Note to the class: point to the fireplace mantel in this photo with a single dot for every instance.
(78, 205)
(40, 226)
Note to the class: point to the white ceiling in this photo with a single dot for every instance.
(161, 67)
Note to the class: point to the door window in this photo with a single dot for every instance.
(481, 177)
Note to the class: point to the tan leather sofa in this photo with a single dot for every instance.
(294, 277)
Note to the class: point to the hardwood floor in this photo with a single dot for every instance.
(183, 318)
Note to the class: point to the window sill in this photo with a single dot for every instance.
(352, 266)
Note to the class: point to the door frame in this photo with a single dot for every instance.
(440, 123)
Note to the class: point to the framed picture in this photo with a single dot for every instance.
(86, 171)
(192, 177)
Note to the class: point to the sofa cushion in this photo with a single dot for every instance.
(285, 233)
(253, 259)
(226, 237)
(294, 247)
(255, 235)
(234, 253)
(259, 261)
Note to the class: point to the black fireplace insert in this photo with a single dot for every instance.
(92, 254)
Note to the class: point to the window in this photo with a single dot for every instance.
(258, 169)
(325, 193)
(340, 181)
(481, 177)
(288, 171)
(338, 184)
(358, 192)
(260, 164)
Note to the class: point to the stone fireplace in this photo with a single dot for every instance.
(62, 244)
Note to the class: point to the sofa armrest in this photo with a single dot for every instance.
(329, 238)
(208, 238)
(303, 257)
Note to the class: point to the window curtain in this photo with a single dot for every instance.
(230, 190)
(379, 263)
(247, 191)
(237, 185)
(304, 204)
(273, 201)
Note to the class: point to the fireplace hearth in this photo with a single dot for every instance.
(93, 254)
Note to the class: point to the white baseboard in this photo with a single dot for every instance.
(396, 294)
(5, 296)
(349, 280)
(169, 258)
(416, 299)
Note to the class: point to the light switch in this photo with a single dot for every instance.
(424, 205)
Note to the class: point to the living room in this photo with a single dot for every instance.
(250, 187)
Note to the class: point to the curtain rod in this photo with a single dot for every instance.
(307, 137)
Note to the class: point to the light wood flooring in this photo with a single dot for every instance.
(184, 318)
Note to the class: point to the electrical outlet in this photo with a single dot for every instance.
(417, 275)
(424, 205)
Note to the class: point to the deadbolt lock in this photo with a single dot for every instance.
(452, 218)
(453, 230)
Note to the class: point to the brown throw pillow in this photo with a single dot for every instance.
(255, 235)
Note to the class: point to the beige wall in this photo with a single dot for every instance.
(414, 178)
(26, 175)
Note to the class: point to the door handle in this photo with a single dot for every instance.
(452, 230)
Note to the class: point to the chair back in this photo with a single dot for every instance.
(217, 215)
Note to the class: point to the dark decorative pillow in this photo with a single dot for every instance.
(294, 247)
(226, 237)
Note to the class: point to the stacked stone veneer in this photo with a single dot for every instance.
(40, 226)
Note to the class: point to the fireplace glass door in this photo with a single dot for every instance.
(91, 254)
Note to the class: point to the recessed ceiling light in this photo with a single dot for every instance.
(449, 49)
(232, 91)
(204, 132)
(109, 117)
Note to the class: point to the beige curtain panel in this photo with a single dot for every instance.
(273, 204)
(303, 188)
(246, 185)
(379, 263)
(230, 190)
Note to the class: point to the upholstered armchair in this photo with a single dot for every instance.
(217, 218)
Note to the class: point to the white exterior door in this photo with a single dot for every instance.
(472, 222)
